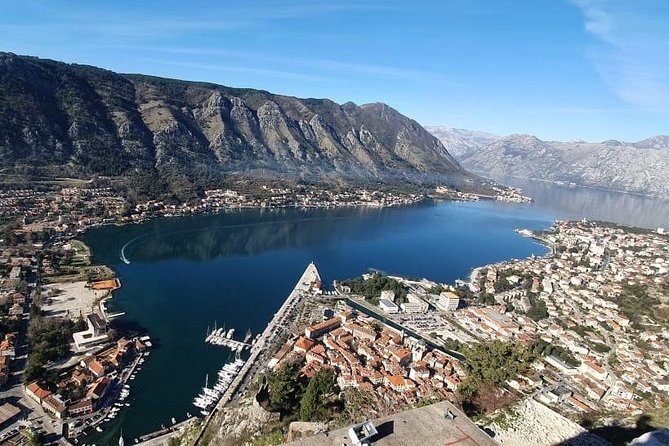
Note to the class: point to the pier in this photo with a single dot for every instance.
(309, 281)
(233, 344)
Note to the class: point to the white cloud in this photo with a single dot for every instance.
(278, 74)
(631, 49)
(318, 65)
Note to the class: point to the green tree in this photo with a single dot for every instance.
(33, 438)
(313, 405)
(285, 388)
(492, 362)
(34, 370)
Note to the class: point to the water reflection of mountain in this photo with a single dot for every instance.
(286, 229)
(594, 204)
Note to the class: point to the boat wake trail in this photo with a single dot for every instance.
(123, 257)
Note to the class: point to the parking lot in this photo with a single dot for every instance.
(69, 299)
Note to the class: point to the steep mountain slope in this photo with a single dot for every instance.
(57, 118)
(641, 167)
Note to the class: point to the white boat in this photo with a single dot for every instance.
(174, 421)
(211, 392)
(98, 428)
(230, 333)
(199, 404)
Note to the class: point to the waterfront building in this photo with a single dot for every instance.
(98, 391)
(82, 407)
(95, 333)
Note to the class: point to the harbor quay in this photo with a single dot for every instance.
(309, 281)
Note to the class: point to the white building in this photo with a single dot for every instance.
(414, 307)
(388, 306)
(96, 333)
(448, 301)
(414, 304)
(388, 295)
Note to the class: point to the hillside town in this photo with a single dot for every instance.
(594, 310)
(64, 209)
(77, 208)
(395, 369)
(63, 368)
(590, 316)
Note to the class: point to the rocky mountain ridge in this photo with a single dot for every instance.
(638, 167)
(75, 120)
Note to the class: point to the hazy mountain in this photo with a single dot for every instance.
(641, 167)
(74, 120)
(460, 142)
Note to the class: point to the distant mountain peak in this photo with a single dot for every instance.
(654, 142)
(641, 167)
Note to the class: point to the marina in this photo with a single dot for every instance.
(115, 401)
(225, 338)
(209, 396)
(309, 281)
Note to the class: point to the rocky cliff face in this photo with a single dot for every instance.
(79, 120)
(641, 167)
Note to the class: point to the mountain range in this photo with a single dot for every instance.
(74, 120)
(638, 167)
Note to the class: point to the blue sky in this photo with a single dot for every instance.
(559, 69)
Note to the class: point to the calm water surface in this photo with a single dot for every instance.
(237, 268)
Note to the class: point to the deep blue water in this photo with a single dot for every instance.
(237, 268)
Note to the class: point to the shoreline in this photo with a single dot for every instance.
(576, 185)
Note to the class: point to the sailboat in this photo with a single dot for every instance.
(120, 439)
